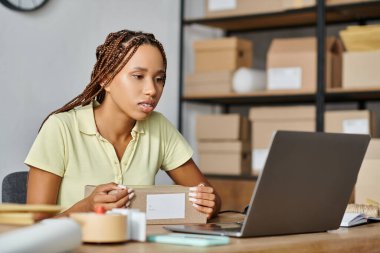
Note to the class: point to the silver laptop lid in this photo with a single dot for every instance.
(306, 183)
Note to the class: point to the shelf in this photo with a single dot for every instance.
(258, 98)
(287, 97)
(293, 18)
(235, 177)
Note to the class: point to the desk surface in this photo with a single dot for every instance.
(365, 238)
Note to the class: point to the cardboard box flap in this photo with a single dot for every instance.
(223, 147)
(222, 43)
(282, 113)
(298, 45)
(152, 201)
(373, 150)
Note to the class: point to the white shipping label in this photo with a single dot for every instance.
(219, 5)
(259, 157)
(284, 78)
(355, 126)
(165, 206)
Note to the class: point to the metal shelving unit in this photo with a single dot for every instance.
(319, 16)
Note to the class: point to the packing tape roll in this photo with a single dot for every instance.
(102, 228)
(248, 80)
(48, 236)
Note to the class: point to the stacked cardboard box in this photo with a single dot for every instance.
(351, 121)
(217, 8)
(362, 58)
(367, 188)
(292, 63)
(266, 121)
(224, 144)
(215, 63)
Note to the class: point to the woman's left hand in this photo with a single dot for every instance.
(204, 199)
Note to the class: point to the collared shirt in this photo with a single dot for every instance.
(70, 146)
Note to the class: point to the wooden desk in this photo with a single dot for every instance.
(365, 238)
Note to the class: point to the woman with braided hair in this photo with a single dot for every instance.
(109, 135)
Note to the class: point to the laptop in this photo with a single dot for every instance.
(304, 187)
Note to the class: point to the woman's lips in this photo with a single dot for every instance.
(146, 107)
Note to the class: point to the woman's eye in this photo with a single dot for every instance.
(159, 79)
(138, 76)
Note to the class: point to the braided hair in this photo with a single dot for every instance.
(111, 57)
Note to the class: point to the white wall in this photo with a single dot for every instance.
(46, 58)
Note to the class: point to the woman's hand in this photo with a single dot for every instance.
(109, 196)
(204, 199)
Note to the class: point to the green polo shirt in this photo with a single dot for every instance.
(70, 146)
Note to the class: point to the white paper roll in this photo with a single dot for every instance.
(248, 80)
(50, 236)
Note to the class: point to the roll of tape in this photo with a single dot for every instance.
(102, 228)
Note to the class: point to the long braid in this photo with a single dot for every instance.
(111, 57)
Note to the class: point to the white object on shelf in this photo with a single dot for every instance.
(248, 80)
(284, 78)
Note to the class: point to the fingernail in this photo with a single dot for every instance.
(130, 190)
(192, 194)
(128, 203)
(193, 188)
(121, 186)
(195, 205)
(192, 199)
(131, 195)
(201, 184)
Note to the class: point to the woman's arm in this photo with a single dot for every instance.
(43, 188)
(204, 197)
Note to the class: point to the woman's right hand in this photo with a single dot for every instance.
(109, 196)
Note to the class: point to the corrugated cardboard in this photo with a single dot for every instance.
(140, 202)
(367, 186)
(214, 8)
(266, 121)
(361, 69)
(222, 127)
(351, 121)
(223, 54)
(225, 158)
(292, 63)
(214, 82)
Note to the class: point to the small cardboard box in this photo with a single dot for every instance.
(367, 188)
(292, 64)
(225, 158)
(351, 121)
(217, 8)
(266, 121)
(223, 54)
(361, 69)
(222, 127)
(163, 204)
(214, 82)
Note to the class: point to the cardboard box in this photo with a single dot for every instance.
(337, 2)
(266, 121)
(208, 83)
(223, 54)
(222, 127)
(351, 121)
(297, 4)
(367, 188)
(163, 204)
(225, 158)
(292, 63)
(361, 69)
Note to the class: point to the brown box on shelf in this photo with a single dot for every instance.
(146, 196)
(351, 121)
(367, 188)
(225, 158)
(336, 2)
(297, 4)
(222, 54)
(216, 8)
(361, 69)
(266, 121)
(222, 127)
(292, 63)
(209, 83)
